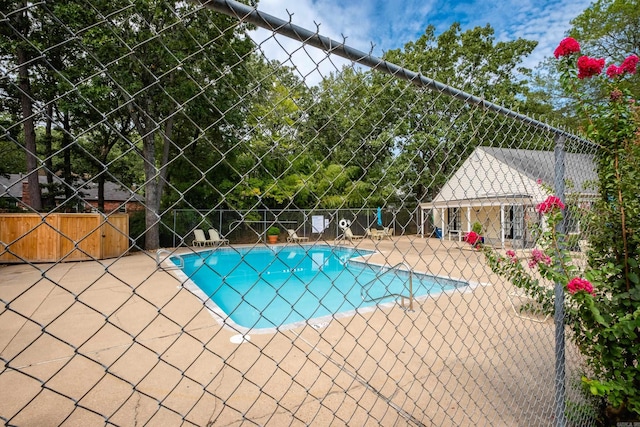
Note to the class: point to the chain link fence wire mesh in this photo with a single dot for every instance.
(370, 309)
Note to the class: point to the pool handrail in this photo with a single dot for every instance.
(365, 288)
(170, 254)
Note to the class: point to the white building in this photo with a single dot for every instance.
(500, 188)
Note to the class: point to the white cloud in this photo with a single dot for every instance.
(546, 23)
(390, 25)
(311, 63)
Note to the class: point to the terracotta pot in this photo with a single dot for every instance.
(272, 239)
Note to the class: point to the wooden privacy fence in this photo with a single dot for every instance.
(62, 237)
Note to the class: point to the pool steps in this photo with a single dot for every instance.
(407, 269)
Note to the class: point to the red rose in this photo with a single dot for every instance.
(614, 71)
(567, 47)
(629, 64)
(551, 203)
(589, 67)
(577, 284)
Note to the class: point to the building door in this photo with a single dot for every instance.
(508, 223)
(517, 221)
(514, 226)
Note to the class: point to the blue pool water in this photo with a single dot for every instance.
(275, 286)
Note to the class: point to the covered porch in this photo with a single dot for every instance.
(505, 220)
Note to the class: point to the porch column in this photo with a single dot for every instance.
(468, 219)
(441, 223)
(502, 225)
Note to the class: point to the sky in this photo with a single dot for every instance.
(377, 26)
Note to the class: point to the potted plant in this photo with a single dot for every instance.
(272, 234)
(477, 227)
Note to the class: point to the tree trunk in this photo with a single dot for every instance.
(101, 181)
(66, 144)
(49, 200)
(156, 180)
(151, 196)
(108, 141)
(33, 183)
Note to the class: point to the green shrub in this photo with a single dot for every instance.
(273, 231)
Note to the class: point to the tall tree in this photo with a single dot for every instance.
(13, 160)
(165, 58)
(348, 120)
(272, 163)
(609, 28)
(435, 127)
(18, 57)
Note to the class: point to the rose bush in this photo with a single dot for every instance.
(602, 301)
(551, 203)
(578, 284)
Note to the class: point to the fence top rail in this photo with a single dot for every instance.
(264, 20)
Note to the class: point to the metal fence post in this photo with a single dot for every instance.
(174, 227)
(559, 293)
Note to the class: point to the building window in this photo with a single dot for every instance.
(453, 218)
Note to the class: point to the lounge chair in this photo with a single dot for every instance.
(214, 237)
(387, 232)
(374, 234)
(348, 234)
(293, 237)
(200, 239)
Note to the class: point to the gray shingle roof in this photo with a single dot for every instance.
(580, 169)
(12, 187)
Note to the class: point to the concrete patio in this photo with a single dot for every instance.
(123, 342)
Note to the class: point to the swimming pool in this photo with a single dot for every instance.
(276, 286)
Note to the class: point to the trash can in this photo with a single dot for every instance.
(438, 233)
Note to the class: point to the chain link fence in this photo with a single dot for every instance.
(371, 310)
(252, 226)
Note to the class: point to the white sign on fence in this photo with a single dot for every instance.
(318, 224)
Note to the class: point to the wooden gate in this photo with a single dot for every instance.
(62, 237)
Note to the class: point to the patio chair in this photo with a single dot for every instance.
(348, 234)
(293, 236)
(200, 239)
(214, 237)
(374, 234)
(387, 233)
